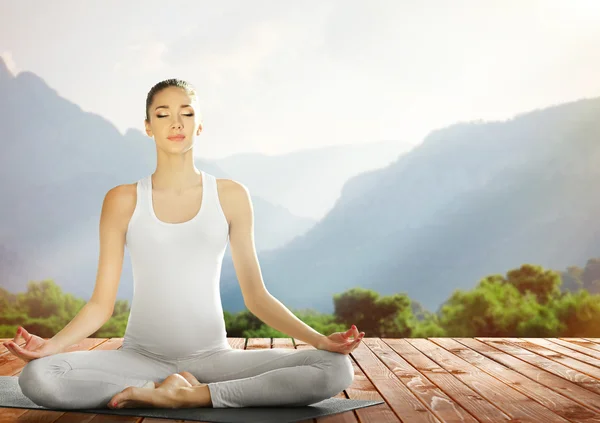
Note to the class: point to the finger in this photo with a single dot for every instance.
(13, 350)
(355, 331)
(349, 345)
(357, 340)
(27, 343)
(22, 353)
(17, 335)
(356, 344)
(355, 336)
(26, 335)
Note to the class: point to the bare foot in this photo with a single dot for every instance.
(133, 397)
(165, 394)
(150, 385)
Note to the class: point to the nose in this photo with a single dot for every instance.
(177, 122)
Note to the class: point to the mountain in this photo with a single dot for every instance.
(473, 199)
(317, 174)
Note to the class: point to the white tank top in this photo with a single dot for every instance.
(176, 309)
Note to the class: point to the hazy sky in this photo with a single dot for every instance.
(280, 76)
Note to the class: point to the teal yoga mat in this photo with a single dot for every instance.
(11, 396)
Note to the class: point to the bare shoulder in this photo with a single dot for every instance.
(120, 202)
(234, 197)
(231, 190)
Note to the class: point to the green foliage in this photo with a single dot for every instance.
(496, 308)
(544, 284)
(580, 314)
(115, 327)
(529, 302)
(387, 316)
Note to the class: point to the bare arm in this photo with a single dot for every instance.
(116, 212)
(256, 296)
(90, 318)
(271, 311)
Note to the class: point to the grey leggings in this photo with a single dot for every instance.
(235, 378)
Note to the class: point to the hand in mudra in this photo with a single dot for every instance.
(163, 395)
(35, 347)
(339, 342)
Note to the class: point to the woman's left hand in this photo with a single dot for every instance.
(339, 342)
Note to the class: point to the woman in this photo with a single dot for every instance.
(176, 224)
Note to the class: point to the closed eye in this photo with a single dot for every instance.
(166, 115)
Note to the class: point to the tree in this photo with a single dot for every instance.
(388, 316)
(500, 307)
(544, 284)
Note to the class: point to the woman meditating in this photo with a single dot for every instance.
(176, 224)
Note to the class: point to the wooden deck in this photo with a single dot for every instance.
(426, 380)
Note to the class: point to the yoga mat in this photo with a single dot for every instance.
(11, 396)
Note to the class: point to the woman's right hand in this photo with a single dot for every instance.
(35, 347)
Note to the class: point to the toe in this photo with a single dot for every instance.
(121, 396)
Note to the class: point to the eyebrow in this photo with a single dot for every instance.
(166, 107)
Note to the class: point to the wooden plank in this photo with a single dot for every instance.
(237, 343)
(401, 403)
(443, 394)
(582, 342)
(574, 385)
(579, 345)
(258, 343)
(555, 351)
(577, 361)
(363, 389)
(531, 381)
(510, 401)
(284, 343)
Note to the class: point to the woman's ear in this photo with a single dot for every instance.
(148, 130)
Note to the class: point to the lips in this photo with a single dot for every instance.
(176, 137)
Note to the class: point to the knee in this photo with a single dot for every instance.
(340, 374)
(36, 383)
